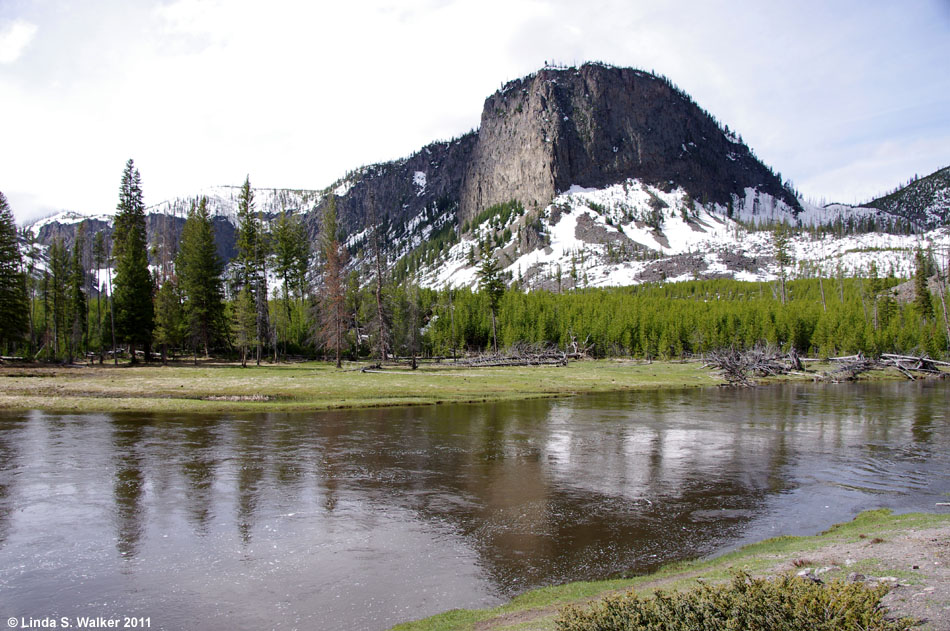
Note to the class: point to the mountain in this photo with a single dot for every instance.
(925, 201)
(586, 176)
(591, 127)
(164, 221)
(598, 125)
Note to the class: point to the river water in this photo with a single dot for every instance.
(362, 519)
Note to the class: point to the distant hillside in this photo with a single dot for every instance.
(926, 201)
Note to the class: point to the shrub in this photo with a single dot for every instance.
(784, 604)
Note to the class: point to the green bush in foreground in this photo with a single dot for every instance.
(749, 604)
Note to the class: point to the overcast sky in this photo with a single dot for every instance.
(846, 98)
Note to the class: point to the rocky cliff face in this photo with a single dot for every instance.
(596, 125)
(160, 228)
(403, 189)
(590, 126)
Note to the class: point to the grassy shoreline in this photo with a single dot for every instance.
(319, 386)
(856, 545)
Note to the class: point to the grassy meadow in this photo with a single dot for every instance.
(317, 385)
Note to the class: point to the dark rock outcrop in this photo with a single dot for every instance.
(393, 187)
(597, 125)
(590, 126)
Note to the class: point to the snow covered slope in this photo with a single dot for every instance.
(223, 201)
(633, 232)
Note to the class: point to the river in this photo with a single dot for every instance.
(362, 519)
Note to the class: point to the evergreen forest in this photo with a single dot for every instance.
(64, 304)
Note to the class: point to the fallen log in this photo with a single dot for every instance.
(922, 358)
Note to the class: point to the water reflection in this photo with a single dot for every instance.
(129, 484)
(9, 463)
(199, 446)
(465, 503)
(250, 451)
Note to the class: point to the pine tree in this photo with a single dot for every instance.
(291, 260)
(245, 262)
(132, 287)
(14, 322)
(169, 318)
(922, 300)
(244, 324)
(76, 308)
(31, 256)
(490, 282)
(412, 321)
(57, 296)
(199, 277)
(381, 318)
(251, 260)
(333, 299)
(782, 256)
(98, 257)
(263, 312)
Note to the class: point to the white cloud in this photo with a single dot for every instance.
(15, 36)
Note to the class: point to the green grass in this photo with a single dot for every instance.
(754, 559)
(317, 385)
(183, 387)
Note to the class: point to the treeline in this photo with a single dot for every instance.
(285, 297)
(690, 318)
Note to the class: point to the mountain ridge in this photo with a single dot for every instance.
(557, 144)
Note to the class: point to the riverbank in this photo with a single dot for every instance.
(909, 552)
(221, 387)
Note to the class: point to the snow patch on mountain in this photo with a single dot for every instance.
(419, 179)
(66, 217)
(633, 232)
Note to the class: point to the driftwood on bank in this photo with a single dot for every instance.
(849, 367)
(521, 355)
(911, 366)
(517, 355)
(739, 368)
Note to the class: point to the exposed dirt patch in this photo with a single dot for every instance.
(915, 563)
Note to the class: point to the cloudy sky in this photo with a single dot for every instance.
(846, 98)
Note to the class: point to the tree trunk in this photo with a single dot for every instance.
(494, 334)
(339, 340)
(115, 358)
